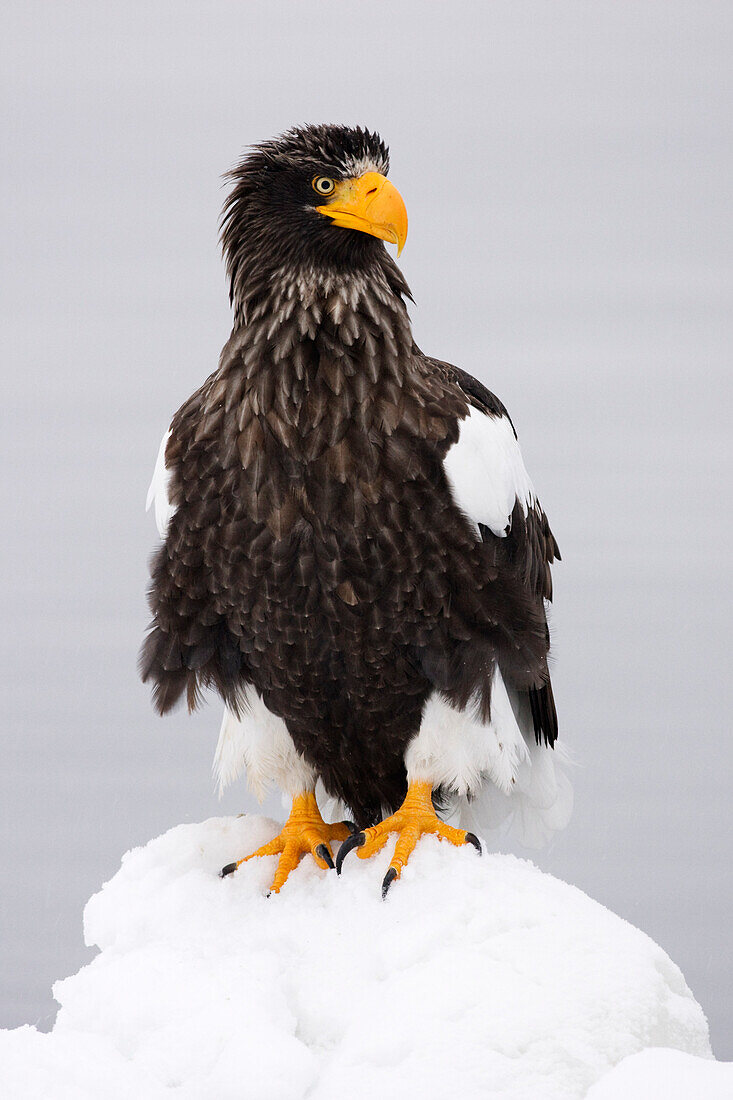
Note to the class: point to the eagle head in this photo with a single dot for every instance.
(315, 200)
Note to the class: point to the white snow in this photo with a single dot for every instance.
(668, 1074)
(478, 977)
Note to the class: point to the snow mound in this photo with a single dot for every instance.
(665, 1073)
(476, 978)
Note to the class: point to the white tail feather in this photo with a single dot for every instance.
(541, 800)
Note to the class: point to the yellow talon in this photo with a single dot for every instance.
(304, 831)
(415, 817)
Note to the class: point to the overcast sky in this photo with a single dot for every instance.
(567, 172)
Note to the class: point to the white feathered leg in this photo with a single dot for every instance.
(494, 772)
(259, 743)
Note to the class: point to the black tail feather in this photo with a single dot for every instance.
(544, 714)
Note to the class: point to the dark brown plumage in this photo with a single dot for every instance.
(315, 551)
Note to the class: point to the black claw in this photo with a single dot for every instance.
(230, 867)
(350, 826)
(323, 853)
(471, 838)
(356, 840)
(388, 880)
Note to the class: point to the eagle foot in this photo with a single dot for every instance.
(304, 832)
(415, 817)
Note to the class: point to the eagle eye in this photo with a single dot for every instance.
(322, 185)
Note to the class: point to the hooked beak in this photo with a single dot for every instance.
(372, 205)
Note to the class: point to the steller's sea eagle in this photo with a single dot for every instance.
(353, 554)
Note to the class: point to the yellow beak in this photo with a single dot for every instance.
(370, 204)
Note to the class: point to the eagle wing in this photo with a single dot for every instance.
(491, 486)
(490, 483)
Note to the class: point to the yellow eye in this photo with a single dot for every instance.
(322, 185)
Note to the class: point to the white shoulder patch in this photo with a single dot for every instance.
(158, 491)
(486, 472)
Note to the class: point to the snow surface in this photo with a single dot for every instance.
(668, 1074)
(478, 977)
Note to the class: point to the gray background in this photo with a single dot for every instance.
(567, 171)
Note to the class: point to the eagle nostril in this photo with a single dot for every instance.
(372, 191)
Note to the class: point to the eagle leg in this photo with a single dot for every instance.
(304, 831)
(415, 817)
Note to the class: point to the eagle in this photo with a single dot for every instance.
(353, 555)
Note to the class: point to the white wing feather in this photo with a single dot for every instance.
(158, 491)
(486, 472)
